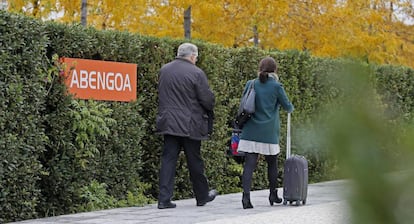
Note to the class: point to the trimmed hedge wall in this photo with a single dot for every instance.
(23, 64)
(61, 155)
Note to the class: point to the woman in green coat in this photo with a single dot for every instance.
(260, 134)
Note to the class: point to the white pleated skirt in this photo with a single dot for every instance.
(258, 147)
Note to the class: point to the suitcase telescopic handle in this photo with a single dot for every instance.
(288, 152)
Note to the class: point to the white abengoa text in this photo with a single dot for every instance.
(98, 80)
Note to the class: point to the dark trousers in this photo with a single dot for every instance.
(250, 164)
(172, 148)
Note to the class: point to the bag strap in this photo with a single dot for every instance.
(251, 86)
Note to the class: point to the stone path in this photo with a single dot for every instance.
(325, 205)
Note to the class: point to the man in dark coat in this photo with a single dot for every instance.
(184, 100)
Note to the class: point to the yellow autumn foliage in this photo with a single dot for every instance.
(365, 29)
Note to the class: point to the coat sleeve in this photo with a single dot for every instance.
(284, 100)
(204, 94)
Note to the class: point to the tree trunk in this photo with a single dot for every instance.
(36, 10)
(255, 36)
(187, 23)
(84, 11)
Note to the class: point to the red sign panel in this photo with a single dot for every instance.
(101, 80)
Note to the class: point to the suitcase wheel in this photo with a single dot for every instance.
(296, 202)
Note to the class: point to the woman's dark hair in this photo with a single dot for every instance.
(267, 65)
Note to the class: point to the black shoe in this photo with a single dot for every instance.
(211, 196)
(168, 204)
(246, 201)
(273, 198)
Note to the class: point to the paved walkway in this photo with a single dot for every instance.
(325, 205)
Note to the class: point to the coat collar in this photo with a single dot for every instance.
(183, 59)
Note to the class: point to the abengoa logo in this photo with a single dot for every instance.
(100, 80)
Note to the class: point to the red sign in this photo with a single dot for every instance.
(101, 80)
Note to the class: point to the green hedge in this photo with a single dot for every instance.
(61, 155)
(22, 101)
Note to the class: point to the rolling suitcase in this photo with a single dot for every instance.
(295, 175)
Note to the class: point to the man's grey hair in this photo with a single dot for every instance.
(187, 49)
